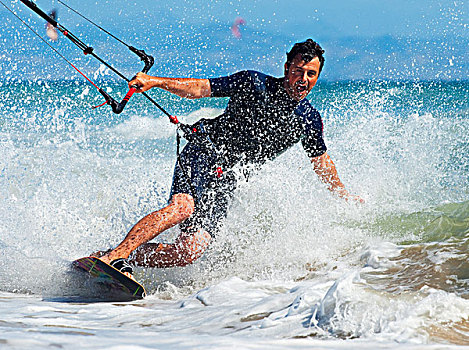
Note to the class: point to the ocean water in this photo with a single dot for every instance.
(294, 266)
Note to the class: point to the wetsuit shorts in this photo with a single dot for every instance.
(195, 173)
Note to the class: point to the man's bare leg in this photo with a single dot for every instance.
(179, 209)
(188, 247)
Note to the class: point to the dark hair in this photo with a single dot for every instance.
(308, 50)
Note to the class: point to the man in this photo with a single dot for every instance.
(264, 117)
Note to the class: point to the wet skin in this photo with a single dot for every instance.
(300, 77)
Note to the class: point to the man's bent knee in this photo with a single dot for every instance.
(192, 246)
(183, 204)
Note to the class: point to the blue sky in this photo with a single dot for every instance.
(364, 39)
(359, 17)
(333, 17)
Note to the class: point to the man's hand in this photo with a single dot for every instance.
(142, 81)
(355, 198)
(327, 172)
(343, 193)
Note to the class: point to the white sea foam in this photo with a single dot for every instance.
(294, 267)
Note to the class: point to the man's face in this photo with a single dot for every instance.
(300, 77)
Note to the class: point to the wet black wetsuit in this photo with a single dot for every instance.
(260, 122)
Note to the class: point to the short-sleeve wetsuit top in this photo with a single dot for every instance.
(261, 121)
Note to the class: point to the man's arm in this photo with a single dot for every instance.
(183, 87)
(327, 172)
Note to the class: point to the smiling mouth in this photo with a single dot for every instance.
(300, 88)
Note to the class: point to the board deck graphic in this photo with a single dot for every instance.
(113, 284)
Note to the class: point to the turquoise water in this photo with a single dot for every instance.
(292, 262)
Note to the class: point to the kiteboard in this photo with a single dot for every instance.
(108, 282)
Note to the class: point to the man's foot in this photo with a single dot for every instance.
(120, 264)
(101, 253)
(106, 256)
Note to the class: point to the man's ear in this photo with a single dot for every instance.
(285, 69)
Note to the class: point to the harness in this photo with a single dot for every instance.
(197, 134)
